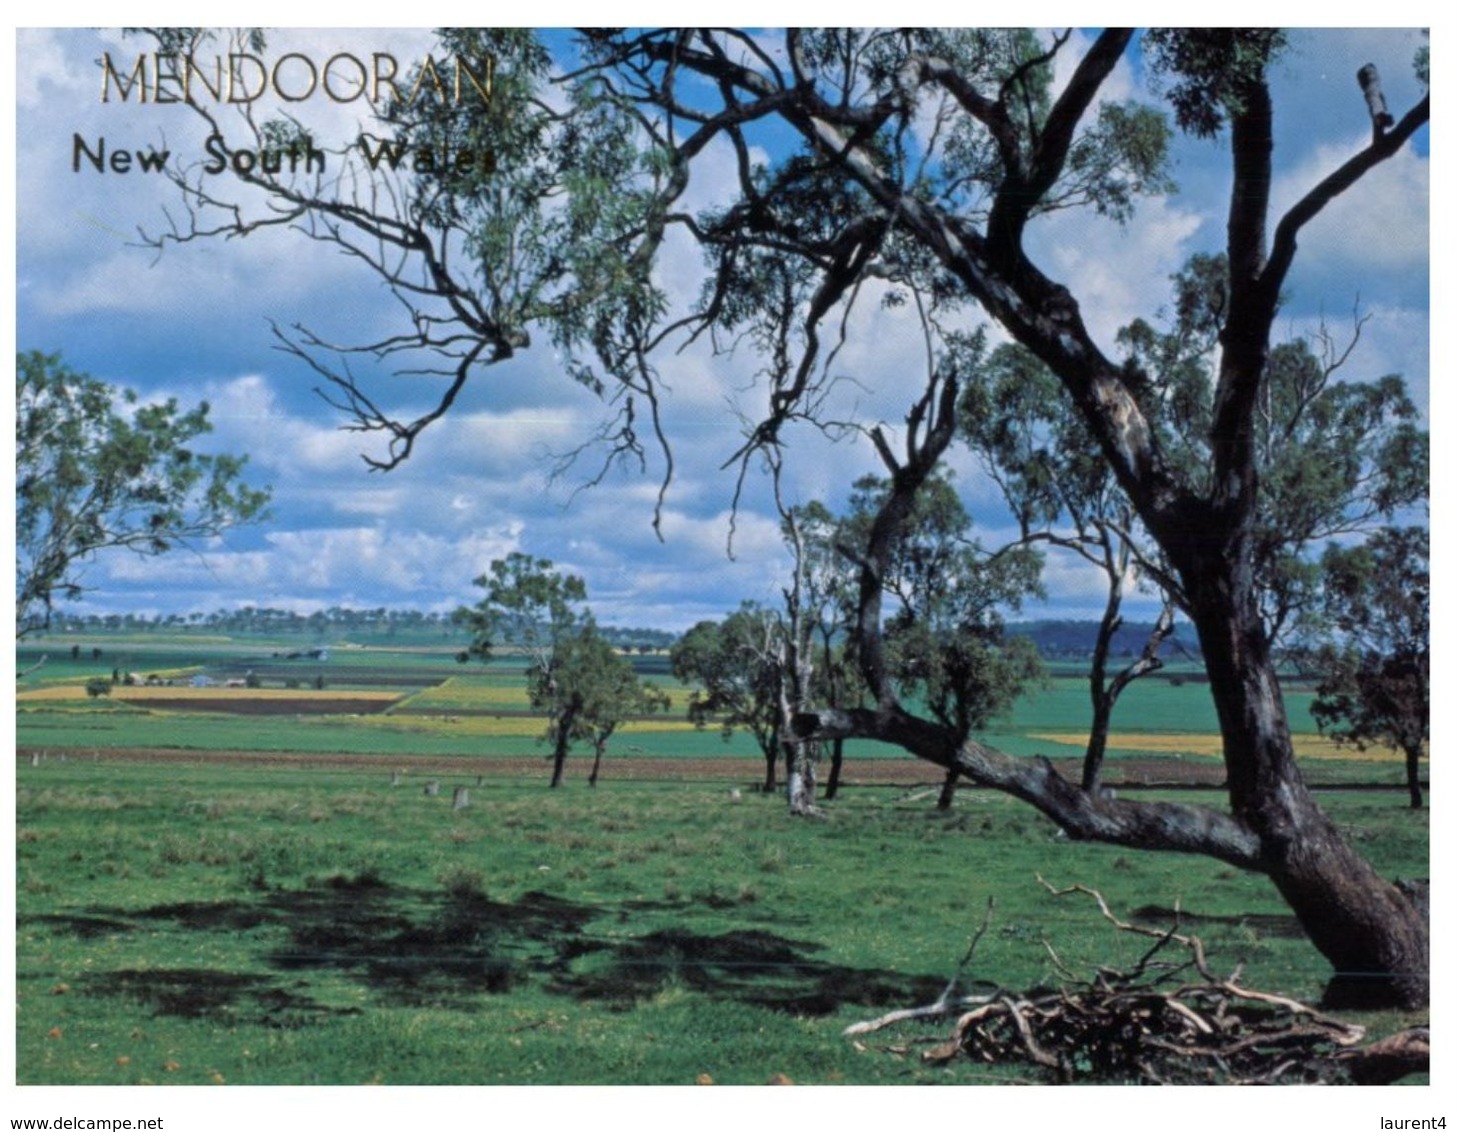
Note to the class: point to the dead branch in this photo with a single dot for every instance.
(1141, 1026)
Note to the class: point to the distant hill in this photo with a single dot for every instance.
(1074, 640)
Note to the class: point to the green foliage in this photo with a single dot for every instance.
(576, 677)
(590, 691)
(554, 222)
(736, 671)
(97, 471)
(1334, 457)
(1375, 662)
(946, 643)
(1210, 71)
(1015, 416)
(527, 603)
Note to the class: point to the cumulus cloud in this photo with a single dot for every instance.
(1117, 272)
(1374, 239)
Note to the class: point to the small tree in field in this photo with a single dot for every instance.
(573, 675)
(607, 690)
(1375, 666)
(738, 667)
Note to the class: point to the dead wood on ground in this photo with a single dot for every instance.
(1169, 1019)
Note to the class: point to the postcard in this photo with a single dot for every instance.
(698, 558)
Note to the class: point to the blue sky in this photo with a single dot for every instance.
(195, 324)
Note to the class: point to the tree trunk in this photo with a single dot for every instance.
(948, 789)
(1373, 936)
(596, 763)
(559, 760)
(1097, 745)
(837, 756)
(771, 755)
(803, 759)
(1413, 775)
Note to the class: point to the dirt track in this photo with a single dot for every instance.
(906, 772)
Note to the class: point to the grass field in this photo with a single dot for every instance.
(277, 921)
(211, 923)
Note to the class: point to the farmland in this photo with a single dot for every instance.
(419, 703)
(253, 885)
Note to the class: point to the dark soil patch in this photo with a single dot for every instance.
(261, 705)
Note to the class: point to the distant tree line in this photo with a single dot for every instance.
(335, 621)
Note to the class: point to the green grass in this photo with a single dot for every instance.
(195, 923)
(271, 925)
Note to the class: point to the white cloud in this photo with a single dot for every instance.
(1373, 239)
(1117, 272)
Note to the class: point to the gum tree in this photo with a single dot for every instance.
(952, 207)
(573, 675)
(1375, 663)
(97, 471)
(738, 665)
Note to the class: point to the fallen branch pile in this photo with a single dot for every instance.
(1168, 1020)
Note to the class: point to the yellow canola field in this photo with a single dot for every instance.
(457, 693)
(1210, 745)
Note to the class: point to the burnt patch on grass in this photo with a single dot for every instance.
(81, 925)
(231, 916)
(441, 950)
(452, 949)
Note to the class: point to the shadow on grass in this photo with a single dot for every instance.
(216, 995)
(452, 949)
(753, 966)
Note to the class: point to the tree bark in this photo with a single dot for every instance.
(560, 748)
(1413, 775)
(803, 779)
(1102, 702)
(837, 757)
(1373, 936)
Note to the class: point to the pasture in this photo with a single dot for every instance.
(212, 894)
